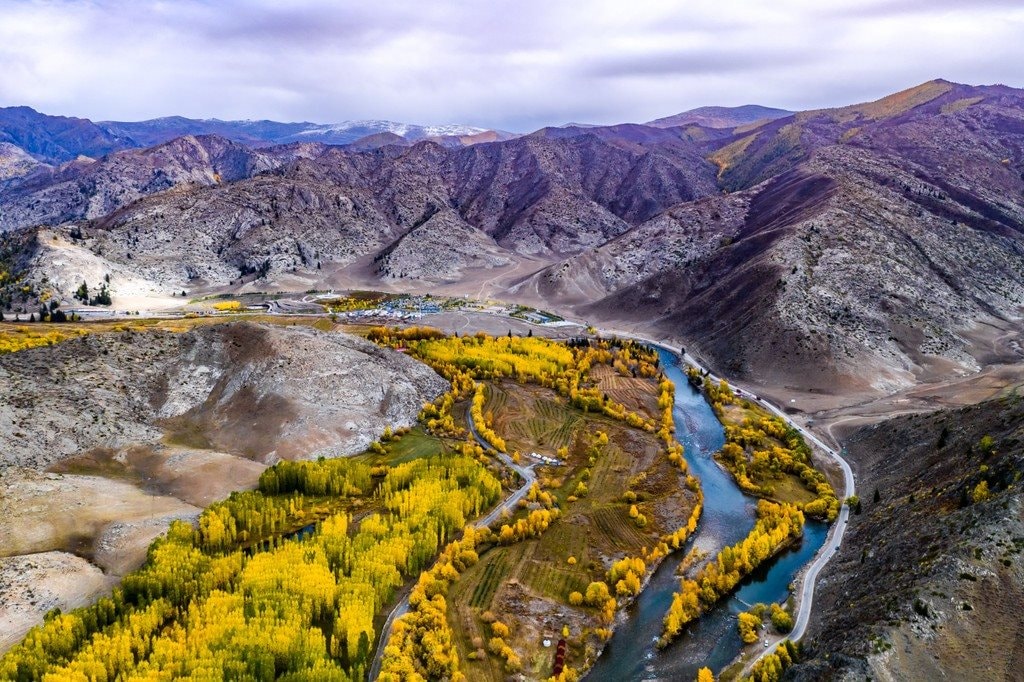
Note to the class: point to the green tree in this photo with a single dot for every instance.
(103, 297)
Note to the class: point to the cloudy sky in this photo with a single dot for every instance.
(510, 64)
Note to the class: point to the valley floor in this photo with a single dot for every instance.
(128, 497)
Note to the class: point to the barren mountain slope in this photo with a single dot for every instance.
(929, 583)
(542, 196)
(186, 237)
(684, 234)
(15, 163)
(257, 391)
(440, 250)
(914, 125)
(562, 190)
(92, 189)
(721, 117)
(863, 268)
(115, 434)
(56, 138)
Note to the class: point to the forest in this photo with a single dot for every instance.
(292, 580)
(297, 607)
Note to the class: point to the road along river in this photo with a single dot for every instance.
(728, 516)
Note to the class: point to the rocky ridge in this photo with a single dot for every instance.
(255, 391)
(929, 582)
(857, 249)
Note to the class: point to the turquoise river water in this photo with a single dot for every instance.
(728, 516)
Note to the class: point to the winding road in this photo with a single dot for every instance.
(528, 476)
(809, 579)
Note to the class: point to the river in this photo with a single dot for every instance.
(728, 516)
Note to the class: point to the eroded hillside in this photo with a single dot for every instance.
(119, 431)
(929, 583)
(851, 251)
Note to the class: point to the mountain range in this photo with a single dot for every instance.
(58, 139)
(855, 249)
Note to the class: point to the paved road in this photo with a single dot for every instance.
(385, 634)
(809, 579)
(524, 471)
(828, 550)
(528, 476)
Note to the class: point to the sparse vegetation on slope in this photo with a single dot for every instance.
(929, 581)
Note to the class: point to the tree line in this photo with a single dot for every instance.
(777, 526)
(299, 608)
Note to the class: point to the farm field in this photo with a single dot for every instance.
(633, 392)
(526, 585)
(531, 418)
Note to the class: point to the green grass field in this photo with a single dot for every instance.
(413, 445)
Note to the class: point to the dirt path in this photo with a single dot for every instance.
(528, 476)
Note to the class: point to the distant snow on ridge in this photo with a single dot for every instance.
(407, 130)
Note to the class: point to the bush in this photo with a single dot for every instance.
(781, 620)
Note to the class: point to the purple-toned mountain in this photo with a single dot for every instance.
(265, 133)
(92, 189)
(850, 249)
(721, 117)
(868, 246)
(56, 138)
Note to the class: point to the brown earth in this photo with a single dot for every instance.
(929, 583)
(117, 433)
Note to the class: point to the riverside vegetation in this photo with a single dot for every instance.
(768, 459)
(592, 402)
(293, 580)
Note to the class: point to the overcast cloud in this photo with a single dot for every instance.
(515, 65)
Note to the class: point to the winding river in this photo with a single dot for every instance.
(728, 516)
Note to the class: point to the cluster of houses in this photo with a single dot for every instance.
(378, 313)
(398, 309)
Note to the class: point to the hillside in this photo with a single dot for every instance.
(15, 162)
(56, 138)
(93, 189)
(119, 431)
(266, 133)
(324, 208)
(874, 262)
(848, 251)
(929, 583)
(721, 117)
